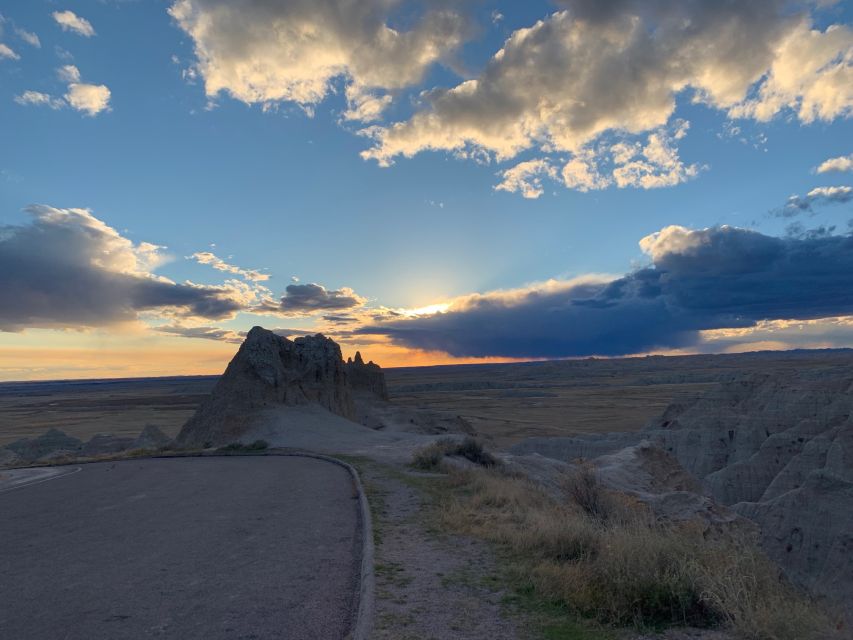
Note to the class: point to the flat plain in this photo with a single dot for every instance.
(503, 402)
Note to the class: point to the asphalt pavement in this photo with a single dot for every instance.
(227, 547)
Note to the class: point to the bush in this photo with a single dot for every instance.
(239, 447)
(430, 457)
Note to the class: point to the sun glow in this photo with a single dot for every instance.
(428, 310)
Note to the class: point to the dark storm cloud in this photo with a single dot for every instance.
(308, 298)
(69, 269)
(715, 278)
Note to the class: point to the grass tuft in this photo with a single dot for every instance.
(431, 457)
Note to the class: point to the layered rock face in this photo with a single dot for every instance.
(366, 377)
(269, 371)
(776, 449)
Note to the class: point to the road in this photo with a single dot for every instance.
(212, 548)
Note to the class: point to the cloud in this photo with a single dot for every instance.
(811, 75)
(626, 163)
(27, 36)
(819, 196)
(68, 269)
(597, 68)
(91, 99)
(698, 280)
(38, 98)
(68, 73)
(268, 52)
(6, 53)
(206, 333)
(841, 163)
(305, 299)
(581, 72)
(526, 178)
(70, 21)
(208, 258)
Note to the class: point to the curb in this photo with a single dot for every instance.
(363, 612)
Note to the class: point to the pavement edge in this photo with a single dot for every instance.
(363, 623)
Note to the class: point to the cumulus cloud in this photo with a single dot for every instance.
(811, 75)
(70, 21)
(698, 280)
(598, 68)
(268, 52)
(841, 163)
(583, 71)
(68, 269)
(6, 53)
(208, 258)
(91, 99)
(818, 196)
(306, 299)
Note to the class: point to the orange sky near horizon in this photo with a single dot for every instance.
(175, 357)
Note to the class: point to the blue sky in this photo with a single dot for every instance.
(275, 182)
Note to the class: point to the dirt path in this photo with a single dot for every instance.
(430, 586)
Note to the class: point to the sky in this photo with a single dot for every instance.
(426, 181)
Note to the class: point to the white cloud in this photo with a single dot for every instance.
(572, 76)
(811, 74)
(654, 165)
(70, 21)
(797, 205)
(841, 163)
(7, 53)
(91, 99)
(37, 98)
(526, 178)
(27, 36)
(208, 258)
(599, 69)
(628, 163)
(68, 73)
(267, 52)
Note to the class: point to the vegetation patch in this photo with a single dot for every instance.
(603, 557)
(431, 457)
(239, 447)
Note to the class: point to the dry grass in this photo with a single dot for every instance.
(430, 458)
(605, 557)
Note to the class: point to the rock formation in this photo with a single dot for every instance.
(366, 378)
(151, 438)
(270, 371)
(29, 449)
(777, 449)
